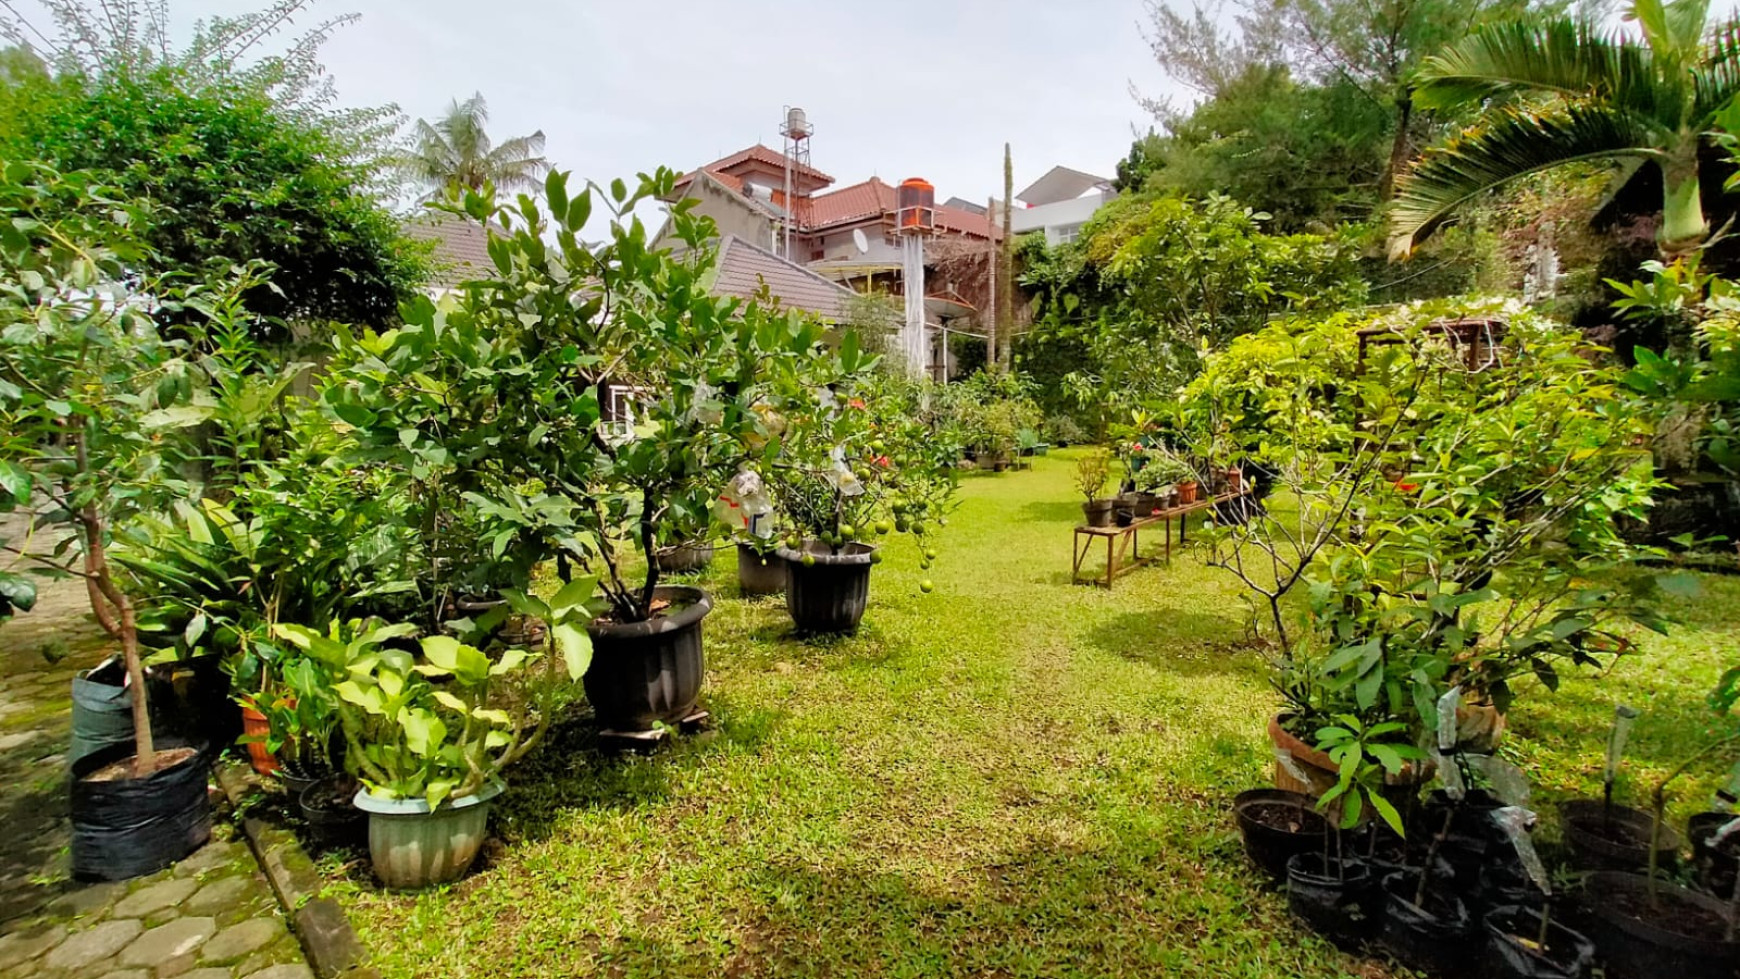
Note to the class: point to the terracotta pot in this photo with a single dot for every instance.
(1235, 481)
(254, 723)
(1321, 772)
(1187, 492)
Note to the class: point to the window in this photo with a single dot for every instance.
(618, 412)
(1063, 234)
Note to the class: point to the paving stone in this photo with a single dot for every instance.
(282, 972)
(87, 947)
(22, 946)
(203, 974)
(88, 902)
(162, 916)
(238, 940)
(127, 974)
(19, 740)
(179, 937)
(219, 895)
(210, 857)
(153, 896)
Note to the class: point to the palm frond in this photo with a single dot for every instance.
(1560, 56)
(1717, 78)
(1516, 144)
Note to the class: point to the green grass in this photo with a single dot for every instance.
(1012, 776)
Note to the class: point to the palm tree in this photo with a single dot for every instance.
(1568, 91)
(454, 151)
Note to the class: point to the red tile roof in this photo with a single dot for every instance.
(744, 267)
(873, 198)
(759, 154)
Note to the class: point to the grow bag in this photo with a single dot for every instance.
(102, 710)
(1277, 826)
(759, 574)
(645, 672)
(1338, 899)
(412, 846)
(1568, 954)
(1435, 938)
(828, 594)
(1683, 940)
(1715, 865)
(132, 827)
(1603, 837)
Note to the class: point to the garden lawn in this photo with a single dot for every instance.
(1012, 776)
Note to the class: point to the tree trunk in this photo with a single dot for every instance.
(1401, 148)
(1683, 226)
(96, 558)
(993, 258)
(1006, 257)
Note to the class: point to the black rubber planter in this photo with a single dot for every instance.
(1098, 513)
(684, 558)
(1715, 865)
(1436, 938)
(130, 827)
(333, 820)
(645, 672)
(759, 574)
(1614, 837)
(1339, 899)
(1682, 936)
(1511, 953)
(827, 592)
(1277, 826)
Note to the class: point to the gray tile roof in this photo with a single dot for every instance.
(743, 267)
(461, 249)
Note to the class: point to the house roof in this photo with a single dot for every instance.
(743, 268)
(873, 198)
(754, 154)
(1060, 184)
(461, 248)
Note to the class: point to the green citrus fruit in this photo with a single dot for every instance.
(846, 531)
(930, 555)
(809, 560)
(875, 557)
(926, 586)
(901, 525)
(918, 528)
(883, 526)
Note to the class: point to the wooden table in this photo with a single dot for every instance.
(1124, 544)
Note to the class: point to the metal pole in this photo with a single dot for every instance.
(912, 336)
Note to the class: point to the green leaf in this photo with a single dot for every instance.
(195, 629)
(16, 482)
(180, 416)
(438, 790)
(1388, 814)
(576, 647)
(452, 703)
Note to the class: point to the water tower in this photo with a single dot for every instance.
(914, 220)
(797, 131)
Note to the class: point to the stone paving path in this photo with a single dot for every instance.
(212, 916)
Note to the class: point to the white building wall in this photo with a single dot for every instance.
(1060, 221)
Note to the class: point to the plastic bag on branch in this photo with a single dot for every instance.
(745, 505)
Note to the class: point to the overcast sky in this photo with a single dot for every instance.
(895, 88)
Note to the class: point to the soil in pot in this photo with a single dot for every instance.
(1715, 865)
(758, 573)
(1432, 936)
(1338, 898)
(1603, 837)
(1278, 826)
(827, 592)
(1098, 513)
(646, 672)
(1514, 950)
(124, 827)
(330, 813)
(1680, 934)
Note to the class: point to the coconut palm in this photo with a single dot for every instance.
(454, 151)
(1566, 91)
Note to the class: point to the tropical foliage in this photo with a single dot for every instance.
(455, 153)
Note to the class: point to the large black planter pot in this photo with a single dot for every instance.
(1605, 837)
(190, 699)
(1682, 940)
(1511, 952)
(759, 574)
(131, 827)
(1339, 899)
(1277, 826)
(829, 592)
(645, 672)
(1437, 939)
(684, 558)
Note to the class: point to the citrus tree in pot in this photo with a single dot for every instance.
(1451, 527)
(857, 461)
(585, 400)
(87, 402)
(1092, 471)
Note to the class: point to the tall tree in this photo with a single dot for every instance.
(1563, 90)
(455, 151)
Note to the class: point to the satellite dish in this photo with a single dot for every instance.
(859, 241)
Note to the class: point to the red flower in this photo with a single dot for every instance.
(882, 461)
(1406, 487)
(856, 403)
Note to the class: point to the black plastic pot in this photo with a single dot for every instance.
(759, 574)
(1614, 838)
(298, 778)
(333, 820)
(646, 672)
(1510, 951)
(1098, 513)
(1437, 938)
(1684, 939)
(684, 558)
(1715, 866)
(1339, 899)
(1277, 826)
(827, 592)
(130, 827)
(191, 700)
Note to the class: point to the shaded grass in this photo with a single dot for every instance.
(1009, 777)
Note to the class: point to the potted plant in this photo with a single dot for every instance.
(1092, 472)
(855, 464)
(747, 510)
(429, 732)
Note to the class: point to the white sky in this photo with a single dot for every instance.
(895, 88)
